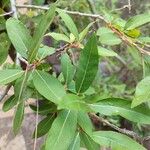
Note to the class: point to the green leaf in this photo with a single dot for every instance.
(73, 102)
(142, 93)
(144, 39)
(88, 142)
(90, 91)
(68, 69)
(62, 131)
(75, 145)
(146, 65)
(4, 47)
(19, 36)
(20, 95)
(116, 141)
(103, 30)
(134, 33)
(108, 37)
(44, 126)
(9, 75)
(84, 32)
(72, 38)
(71, 87)
(59, 37)
(9, 103)
(45, 51)
(20, 88)
(2, 23)
(19, 114)
(119, 24)
(3, 53)
(30, 91)
(85, 122)
(48, 86)
(106, 53)
(137, 21)
(116, 106)
(69, 23)
(40, 31)
(44, 108)
(88, 65)
(4, 38)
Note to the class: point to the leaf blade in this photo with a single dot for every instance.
(40, 31)
(4, 47)
(68, 69)
(62, 131)
(116, 106)
(75, 145)
(19, 36)
(137, 21)
(84, 32)
(73, 102)
(107, 37)
(9, 75)
(106, 53)
(85, 122)
(89, 143)
(88, 65)
(19, 114)
(115, 140)
(44, 126)
(142, 93)
(69, 23)
(48, 86)
(45, 51)
(9, 103)
(59, 37)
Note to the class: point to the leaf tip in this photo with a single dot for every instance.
(134, 103)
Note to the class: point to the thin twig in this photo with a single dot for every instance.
(62, 48)
(124, 131)
(5, 92)
(6, 14)
(121, 8)
(129, 5)
(33, 7)
(13, 8)
(96, 16)
(143, 44)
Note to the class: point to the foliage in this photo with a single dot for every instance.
(89, 80)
